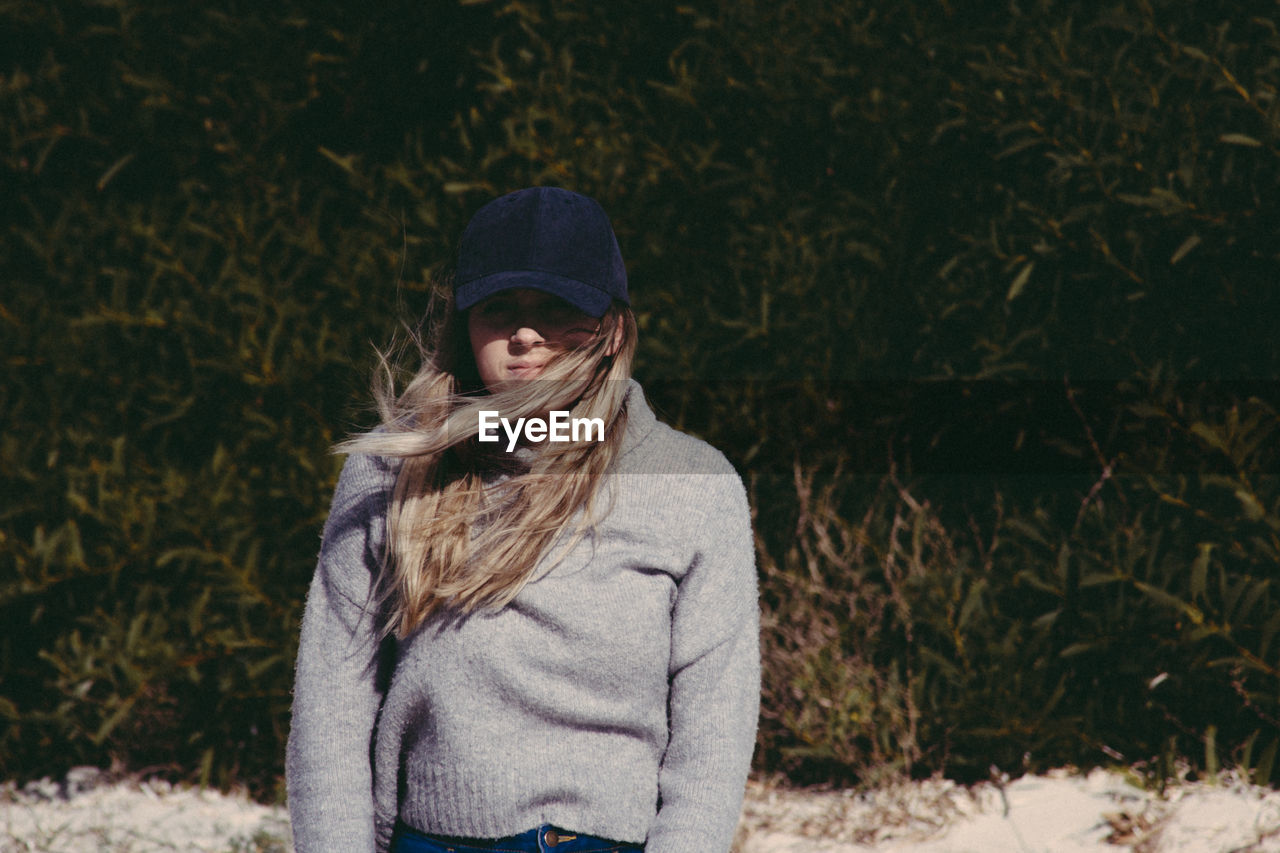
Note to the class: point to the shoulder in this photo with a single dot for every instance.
(683, 479)
(366, 474)
(655, 447)
(364, 469)
(670, 450)
(362, 493)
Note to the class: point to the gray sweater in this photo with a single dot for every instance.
(617, 695)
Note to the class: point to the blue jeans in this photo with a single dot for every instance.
(543, 839)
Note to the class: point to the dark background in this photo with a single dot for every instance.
(979, 299)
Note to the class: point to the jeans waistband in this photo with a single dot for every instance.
(541, 839)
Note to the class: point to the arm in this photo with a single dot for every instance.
(337, 687)
(715, 681)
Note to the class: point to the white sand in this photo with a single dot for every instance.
(1060, 812)
(133, 816)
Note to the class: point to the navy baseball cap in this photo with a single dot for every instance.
(544, 238)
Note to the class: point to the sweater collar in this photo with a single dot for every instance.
(640, 417)
(640, 423)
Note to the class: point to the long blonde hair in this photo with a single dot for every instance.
(468, 523)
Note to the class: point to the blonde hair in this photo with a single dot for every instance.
(468, 523)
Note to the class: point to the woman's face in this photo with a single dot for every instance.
(516, 332)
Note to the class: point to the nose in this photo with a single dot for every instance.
(525, 336)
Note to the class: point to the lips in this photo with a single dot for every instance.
(524, 369)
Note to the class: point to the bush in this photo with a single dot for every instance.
(980, 303)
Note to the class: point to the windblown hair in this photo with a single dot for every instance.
(468, 522)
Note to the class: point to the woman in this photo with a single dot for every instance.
(528, 644)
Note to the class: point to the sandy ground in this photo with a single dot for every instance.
(1060, 812)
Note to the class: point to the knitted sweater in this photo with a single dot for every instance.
(617, 695)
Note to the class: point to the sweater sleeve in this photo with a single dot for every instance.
(714, 698)
(338, 682)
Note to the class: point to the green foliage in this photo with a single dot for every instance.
(174, 373)
(1124, 156)
(1132, 618)
(826, 207)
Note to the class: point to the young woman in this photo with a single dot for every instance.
(541, 641)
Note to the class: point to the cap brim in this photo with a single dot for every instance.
(584, 297)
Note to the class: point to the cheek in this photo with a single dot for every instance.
(488, 358)
(487, 347)
(572, 340)
(575, 334)
(481, 335)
